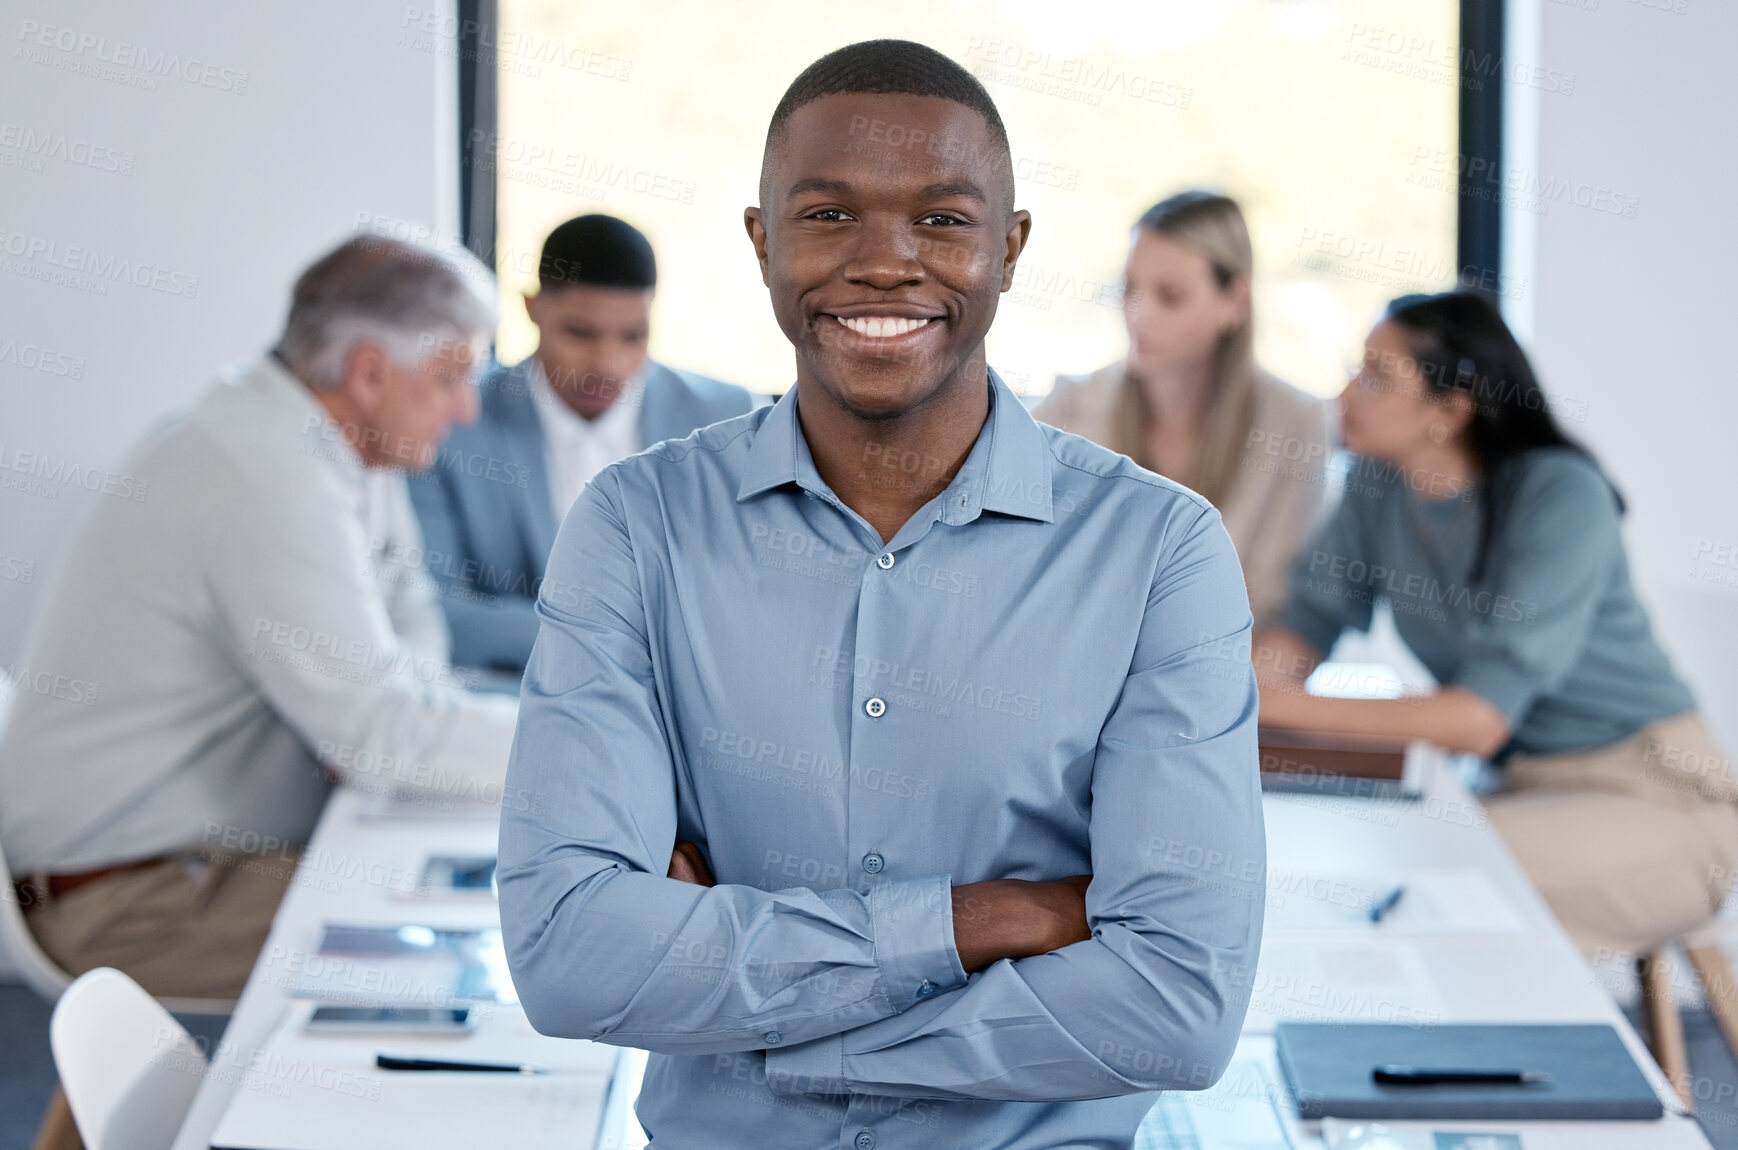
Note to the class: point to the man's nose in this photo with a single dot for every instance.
(616, 368)
(621, 363)
(886, 256)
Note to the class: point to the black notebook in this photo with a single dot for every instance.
(1590, 1072)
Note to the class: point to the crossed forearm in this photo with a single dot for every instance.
(1013, 918)
(1002, 918)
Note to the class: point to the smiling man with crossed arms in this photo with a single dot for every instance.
(951, 762)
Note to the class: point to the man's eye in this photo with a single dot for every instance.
(941, 219)
(826, 215)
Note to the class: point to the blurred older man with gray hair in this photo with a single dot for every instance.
(250, 631)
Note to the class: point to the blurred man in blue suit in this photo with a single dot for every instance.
(588, 396)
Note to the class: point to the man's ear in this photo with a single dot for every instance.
(365, 375)
(751, 219)
(532, 307)
(1019, 231)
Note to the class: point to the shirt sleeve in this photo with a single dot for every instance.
(487, 630)
(409, 591)
(1330, 588)
(1551, 555)
(1156, 998)
(601, 944)
(293, 584)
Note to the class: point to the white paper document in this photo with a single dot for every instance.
(305, 1091)
(1245, 1110)
(1381, 980)
(1455, 901)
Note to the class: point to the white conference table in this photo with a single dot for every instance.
(1488, 950)
(1470, 942)
(360, 867)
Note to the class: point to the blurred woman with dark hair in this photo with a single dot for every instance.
(1495, 538)
(1189, 401)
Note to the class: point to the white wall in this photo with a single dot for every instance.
(317, 112)
(298, 119)
(1631, 318)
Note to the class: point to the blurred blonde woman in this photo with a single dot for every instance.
(1189, 402)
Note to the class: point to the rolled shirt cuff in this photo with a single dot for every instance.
(914, 946)
(914, 950)
(1312, 628)
(1504, 686)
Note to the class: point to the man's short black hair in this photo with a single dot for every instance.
(887, 68)
(599, 250)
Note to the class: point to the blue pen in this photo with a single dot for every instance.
(1380, 909)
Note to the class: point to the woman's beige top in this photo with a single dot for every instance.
(1279, 493)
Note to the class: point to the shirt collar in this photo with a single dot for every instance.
(1007, 471)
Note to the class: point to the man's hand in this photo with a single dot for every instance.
(687, 864)
(1013, 918)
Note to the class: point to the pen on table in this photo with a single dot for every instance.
(389, 1062)
(1380, 908)
(1451, 1076)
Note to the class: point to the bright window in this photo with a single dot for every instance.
(1333, 122)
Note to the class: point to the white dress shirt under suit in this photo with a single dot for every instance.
(576, 448)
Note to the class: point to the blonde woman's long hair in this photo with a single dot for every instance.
(1211, 225)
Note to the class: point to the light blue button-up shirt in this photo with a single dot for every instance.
(1045, 673)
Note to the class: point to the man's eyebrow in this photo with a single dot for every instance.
(964, 188)
(817, 184)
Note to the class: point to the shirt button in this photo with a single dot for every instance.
(875, 708)
(925, 988)
(773, 1037)
(873, 862)
(865, 1140)
(885, 561)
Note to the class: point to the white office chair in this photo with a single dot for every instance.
(129, 1069)
(35, 969)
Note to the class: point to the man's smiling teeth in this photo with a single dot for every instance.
(881, 326)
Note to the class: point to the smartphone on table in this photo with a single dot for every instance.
(429, 1020)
